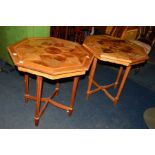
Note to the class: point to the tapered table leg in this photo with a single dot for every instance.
(118, 77)
(91, 76)
(122, 84)
(38, 99)
(75, 84)
(26, 83)
(57, 87)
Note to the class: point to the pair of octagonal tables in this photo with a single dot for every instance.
(55, 58)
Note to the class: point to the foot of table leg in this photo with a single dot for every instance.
(26, 84)
(115, 101)
(38, 99)
(91, 76)
(75, 84)
(70, 112)
(36, 121)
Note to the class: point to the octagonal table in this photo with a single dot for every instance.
(51, 58)
(115, 51)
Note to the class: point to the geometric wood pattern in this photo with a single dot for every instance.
(115, 50)
(53, 57)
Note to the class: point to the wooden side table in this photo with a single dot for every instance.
(116, 51)
(51, 58)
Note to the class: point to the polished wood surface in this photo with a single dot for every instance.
(115, 50)
(52, 57)
(112, 50)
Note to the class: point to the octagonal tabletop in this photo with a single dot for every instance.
(50, 57)
(115, 50)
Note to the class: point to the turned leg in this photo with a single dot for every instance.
(91, 76)
(122, 84)
(75, 84)
(38, 99)
(26, 86)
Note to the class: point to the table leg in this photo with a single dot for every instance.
(26, 83)
(122, 84)
(75, 84)
(57, 87)
(38, 99)
(118, 77)
(91, 76)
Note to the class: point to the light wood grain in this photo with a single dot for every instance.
(115, 50)
(50, 57)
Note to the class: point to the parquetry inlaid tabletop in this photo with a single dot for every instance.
(115, 50)
(50, 56)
